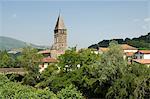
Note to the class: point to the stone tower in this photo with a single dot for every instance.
(60, 35)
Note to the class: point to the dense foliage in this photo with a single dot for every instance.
(7, 60)
(134, 83)
(69, 93)
(30, 60)
(142, 42)
(12, 90)
(104, 75)
(81, 74)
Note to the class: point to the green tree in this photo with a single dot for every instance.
(52, 76)
(99, 76)
(69, 93)
(30, 60)
(49, 73)
(134, 84)
(95, 74)
(12, 90)
(6, 60)
(69, 60)
(73, 59)
(88, 57)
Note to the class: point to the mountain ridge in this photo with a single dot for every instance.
(8, 43)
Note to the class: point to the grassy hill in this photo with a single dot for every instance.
(7, 43)
(142, 42)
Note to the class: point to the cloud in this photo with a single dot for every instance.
(147, 19)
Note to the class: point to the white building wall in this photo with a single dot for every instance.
(42, 67)
(130, 51)
(146, 56)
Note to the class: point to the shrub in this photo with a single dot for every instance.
(69, 92)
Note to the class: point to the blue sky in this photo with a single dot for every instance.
(88, 22)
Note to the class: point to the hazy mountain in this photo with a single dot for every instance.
(7, 43)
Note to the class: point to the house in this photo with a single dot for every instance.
(127, 50)
(142, 54)
(142, 57)
(125, 47)
(45, 62)
(49, 58)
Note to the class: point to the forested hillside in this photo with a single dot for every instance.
(142, 42)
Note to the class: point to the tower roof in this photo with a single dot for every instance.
(60, 23)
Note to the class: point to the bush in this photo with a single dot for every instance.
(12, 90)
(69, 93)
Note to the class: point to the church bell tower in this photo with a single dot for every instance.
(60, 35)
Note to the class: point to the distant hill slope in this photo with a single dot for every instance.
(142, 42)
(7, 43)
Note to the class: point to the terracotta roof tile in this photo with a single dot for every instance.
(44, 51)
(51, 51)
(142, 61)
(123, 46)
(144, 51)
(49, 60)
(127, 47)
(103, 49)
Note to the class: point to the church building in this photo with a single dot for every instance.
(59, 46)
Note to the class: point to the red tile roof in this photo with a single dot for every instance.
(144, 51)
(123, 46)
(51, 51)
(127, 47)
(103, 49)
(44, 52)
(49, 60)
(142, 61)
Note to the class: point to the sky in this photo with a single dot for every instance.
(87, 21)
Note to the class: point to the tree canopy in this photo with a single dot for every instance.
(104, 75)
(80, 74)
